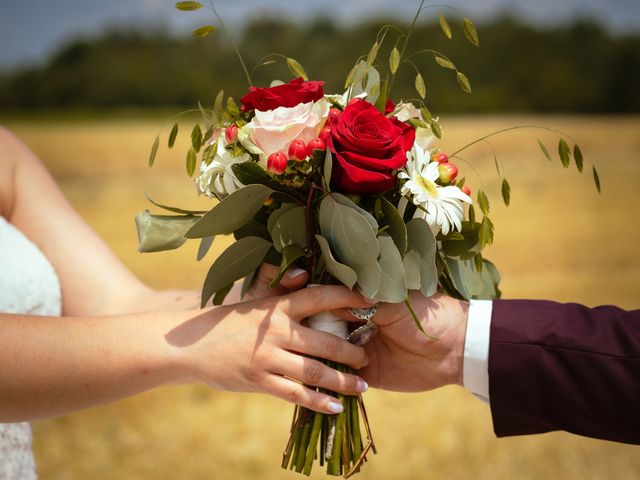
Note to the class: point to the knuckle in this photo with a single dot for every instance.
(296, 395)
(332, 346)
(313, 373)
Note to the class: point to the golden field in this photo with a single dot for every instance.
(559, 240)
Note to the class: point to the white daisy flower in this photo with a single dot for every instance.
(217, 179)
(440, 206)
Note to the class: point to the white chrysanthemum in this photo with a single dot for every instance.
(441, 206)
(217, 179)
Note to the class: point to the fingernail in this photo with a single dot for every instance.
(361, 386)
(370, 301)
(335, 407)
(296, 272)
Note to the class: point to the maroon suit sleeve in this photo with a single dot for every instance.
(565, 367)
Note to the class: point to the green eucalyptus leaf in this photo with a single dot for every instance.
(296, 68)
(420, 86)
(218, 298)
(154, 151)
(173, 135)
(397, 227)
(464, 248)
(392, 287)
(579, 159)
(423, 243)
(411, 264)
(506, 192)
(444, 25)
(157, 233)
(175, 209)
(464, 83)
(474, 284)
(253, 228)
(247, 282)
(203, 248)
(426, 115)
(353, 240)
(237, 261)
(250, 173)
(191, 162)
(188, 6)
(444, 62)
(470, 32)
(544, 150)
(596, 180)
(564, 152)
(290, 229)
(232, 212)
(339, 271)
(394, 60)
(203, 31)
(276, 214)
(341, 199)
(290, 255)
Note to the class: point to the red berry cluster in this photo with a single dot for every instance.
(298, 151)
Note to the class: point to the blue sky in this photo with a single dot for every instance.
(32, 29)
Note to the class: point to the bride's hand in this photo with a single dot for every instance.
(293, 280)
(258, 346)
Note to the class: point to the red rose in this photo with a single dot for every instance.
(368, 147)
(288, 95)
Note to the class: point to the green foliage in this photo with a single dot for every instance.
(196, 137)
(232, 212)
(157, 233)
(173, 135)
(419, 262)
(290, 255)
(154, 151)
(191, 162)
(203, 31)
(188, 6)
(544, 150)
(579, 159)
(420, 87)
(596, 180)
(239, 260)
(353, 240)
(564, 152)
(444, 25)
(464, 83)
(506, 192)
(483, 202)
(339, 271)
(470, 32)
(394, 60)
(296, 68)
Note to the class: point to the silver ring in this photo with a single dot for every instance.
(365, 314)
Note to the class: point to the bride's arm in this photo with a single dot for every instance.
(51, 365)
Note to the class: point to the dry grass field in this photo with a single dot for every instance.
(557, 240)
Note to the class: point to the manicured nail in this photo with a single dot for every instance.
(296, 272)
(370, 301)
(335, 407)
(361, 386)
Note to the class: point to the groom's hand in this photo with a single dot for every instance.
(402, 358)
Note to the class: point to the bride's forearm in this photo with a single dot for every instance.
(51, 366)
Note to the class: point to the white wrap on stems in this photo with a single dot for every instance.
(328, 322)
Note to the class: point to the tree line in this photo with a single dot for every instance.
(579, 68)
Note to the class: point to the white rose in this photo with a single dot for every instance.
(217, 179)
(272, 131)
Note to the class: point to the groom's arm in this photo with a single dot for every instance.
(558, 367)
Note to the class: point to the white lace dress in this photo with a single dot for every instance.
(28, 285)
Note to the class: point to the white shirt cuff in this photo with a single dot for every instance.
(475, 367)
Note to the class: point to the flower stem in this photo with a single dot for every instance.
(313, 443)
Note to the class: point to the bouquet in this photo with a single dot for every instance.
(351, 187)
